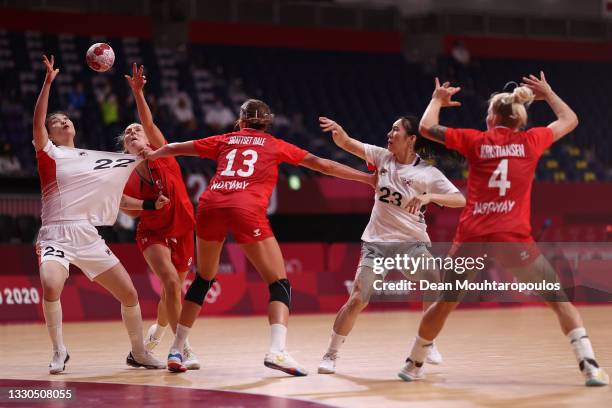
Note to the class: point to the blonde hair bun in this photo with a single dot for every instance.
(523, 95)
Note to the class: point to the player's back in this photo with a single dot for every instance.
(501, 166)
(247, 167)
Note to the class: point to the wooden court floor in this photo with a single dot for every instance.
(493, 358)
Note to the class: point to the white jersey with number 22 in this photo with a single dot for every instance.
(82, 185)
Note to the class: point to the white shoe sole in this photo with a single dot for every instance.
(408, 377)
(323, 370)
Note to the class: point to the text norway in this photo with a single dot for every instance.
(229, 185)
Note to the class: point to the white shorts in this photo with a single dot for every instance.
(365, 275)
(76, 243)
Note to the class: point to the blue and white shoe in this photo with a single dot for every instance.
(175, 362)
(284, 362)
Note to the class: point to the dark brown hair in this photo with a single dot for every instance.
(425, 148)
(51, 115)
(256, 114)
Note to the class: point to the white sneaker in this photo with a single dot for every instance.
(58, 361)
(175, 361)
(190, 359)
(411, 372)
(151, 341)
(284, 362)
(328, 363)
(146, 360)
(433, 355)
(594, 376)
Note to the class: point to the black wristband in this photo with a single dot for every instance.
(148, 205)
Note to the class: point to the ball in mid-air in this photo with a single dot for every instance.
(100, 57)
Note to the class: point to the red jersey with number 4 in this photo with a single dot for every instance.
(247, 168)
(501, 165)
(176, 218)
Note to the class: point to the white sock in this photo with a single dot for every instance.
(419, 351)
(278, 337)
(187, 345)
(581, 344)
(159, 331)
(180, 338)
(335, 341)
(53, 317)
(132, 320)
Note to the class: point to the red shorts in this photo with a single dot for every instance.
(181, 248)
(246, 226)
(510, 249)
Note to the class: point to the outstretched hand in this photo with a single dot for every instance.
(540, 88)
(444, 93)
(51, 73)
(138, 80)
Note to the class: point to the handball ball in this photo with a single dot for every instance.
(100, 57)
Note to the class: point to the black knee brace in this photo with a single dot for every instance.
(198, 289)
(280, 291)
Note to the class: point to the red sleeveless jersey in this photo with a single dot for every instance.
(247, 168)
(501, 166)
(174, 219)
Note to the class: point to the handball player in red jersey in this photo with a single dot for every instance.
(501, 163)
(235, 201)
(164, 235)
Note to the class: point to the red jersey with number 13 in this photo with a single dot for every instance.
(247, 168)
(501, 165)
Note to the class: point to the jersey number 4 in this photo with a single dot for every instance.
(499, 178)
(250, 157)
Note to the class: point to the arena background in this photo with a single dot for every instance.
(363, 63)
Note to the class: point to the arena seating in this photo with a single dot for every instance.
(364, 92)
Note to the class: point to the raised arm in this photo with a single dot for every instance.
(430, 126)
(341, 138)
(39, 131)
(332, 168)
(567, 120)
(137, 82)
(172, 149)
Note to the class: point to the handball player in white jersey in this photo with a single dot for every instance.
(406, 183)
(81, 189)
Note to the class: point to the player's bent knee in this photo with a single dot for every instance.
(198, 289)
(280, 291)
(356, 301)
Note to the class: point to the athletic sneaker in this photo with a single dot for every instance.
(190, 359)
(58, 361)
(433, 356)
(284, 362)
(175, 361)
(594, 376)
(411, 372)
(151, 341)
(147, 360)
(328, 363)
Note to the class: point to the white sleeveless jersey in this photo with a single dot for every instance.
(82, 185)
(397, 184)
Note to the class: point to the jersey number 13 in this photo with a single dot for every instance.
(250, 158)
